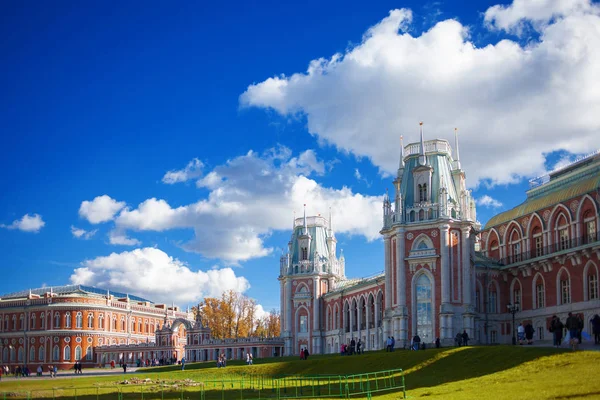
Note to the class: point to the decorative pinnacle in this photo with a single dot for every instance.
(456, 145)
(422, 159)
(401, 152)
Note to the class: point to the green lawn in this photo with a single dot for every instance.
(499, 372)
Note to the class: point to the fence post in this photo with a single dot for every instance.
(142, 392)
(75, 393)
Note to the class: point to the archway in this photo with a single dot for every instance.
(424, 308)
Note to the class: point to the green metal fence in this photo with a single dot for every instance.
(245, 387)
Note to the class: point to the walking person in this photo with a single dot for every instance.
(529, 333)
(183, 363)
(358, 346)
(572, 326)
(556, 327)
(521, 333)
(595, 322)
(124, 368)
(465, 337)
(352, 346)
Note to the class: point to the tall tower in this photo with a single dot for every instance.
(428, 240)
(308, 271)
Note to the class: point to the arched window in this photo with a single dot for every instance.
(296, 269)
(88, 353)
(565, 288)
(68, 320)
(20, 355)
(101, 321)
(477, 300)
(592, 286)
(123, 324)
(540, 294)
(13, 354)
(146, 328)
(423, 193)
(114, 323)
(6, 323)
(90, 319)
(56, 353)
(56, 320)
(22, 322)
(515, 246)
(515, 298)
(77, 353)
(5, 355)
(79, 320)
(67, 353)
(32, 321)
(562, 227)
(492, 299)
(424, 308)
(41, 353)
(538, 242)
(32, 353)
(139, 325)
(14, 322)
(304, 253)
(43, 320)
(132, 324)
(590, 230)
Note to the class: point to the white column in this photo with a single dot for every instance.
(316, 313)
(388, 273)
(282, 304)
(445, 283)
(288, 306)
(466, 265)
(400, 271)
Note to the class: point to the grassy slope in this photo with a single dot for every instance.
(500, 372)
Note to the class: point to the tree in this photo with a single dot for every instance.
(234, 316)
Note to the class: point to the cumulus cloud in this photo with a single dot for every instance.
(513, 103)
(153, 274)
(117, 237)
(82, 233)
(517, 16)
(192, 170)
(249, 197)
(488, 201)
(27, 223)
(101, 209)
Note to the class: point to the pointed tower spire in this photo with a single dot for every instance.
(422, 158)
(401, 166)
(305, 228)
(456, 146)
(330, 221)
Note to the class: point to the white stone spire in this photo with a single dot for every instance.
(422, 158)
(456, 147)
(330, 221)
(305, 228)
(401, 166)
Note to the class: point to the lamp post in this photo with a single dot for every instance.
(513, 308)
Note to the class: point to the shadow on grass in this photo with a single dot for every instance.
(470, 362)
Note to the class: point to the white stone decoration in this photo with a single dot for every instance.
(434, 233)
(410, 236)
(67, 339)
(546, 215)
(574, 205)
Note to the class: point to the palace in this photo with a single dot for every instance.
(444, 274)
(61, 325)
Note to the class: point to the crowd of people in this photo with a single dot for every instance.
(352, 347)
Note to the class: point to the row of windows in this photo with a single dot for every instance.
(147, 327)
(540, 294)
(10, 355)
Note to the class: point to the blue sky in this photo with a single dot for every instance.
(105, 99)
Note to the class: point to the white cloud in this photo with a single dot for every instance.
(101, 209)
(153, 274)
(27, 223)
(488, 201)
(512, 103)
(250, 196)
(515, 17)
(117, 237)
(357, 174)
(82, 233)
(192, 170)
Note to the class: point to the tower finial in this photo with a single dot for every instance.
(422, 159)
(456, 145)
(401, 152)
(305, 229)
